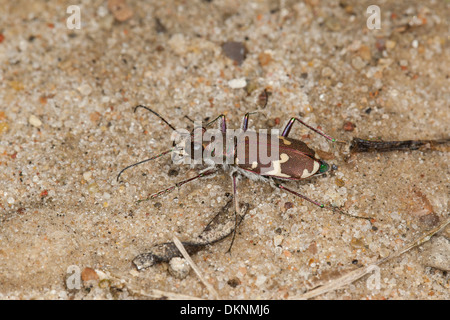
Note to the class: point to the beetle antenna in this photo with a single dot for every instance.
(156, 114)
(143, 161)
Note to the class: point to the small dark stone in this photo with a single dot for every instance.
(235, 51)
(157, 205)
(288, 205)
(430, 220)
(349, 126)
(234, 282)
(159, 27)
(368, 110)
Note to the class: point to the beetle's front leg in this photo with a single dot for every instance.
(179, 184)
(223, 123)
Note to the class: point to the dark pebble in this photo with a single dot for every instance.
(235, 51)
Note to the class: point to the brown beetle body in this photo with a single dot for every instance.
(296, 160)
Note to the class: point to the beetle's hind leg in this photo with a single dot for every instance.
(334, 209)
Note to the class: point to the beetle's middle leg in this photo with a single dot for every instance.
(236, 210)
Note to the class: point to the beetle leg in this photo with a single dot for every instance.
(288, 127)
(223, 124)
(179, 184)
(245, 120)
(236, 210)
(280, 186)
(334, 209)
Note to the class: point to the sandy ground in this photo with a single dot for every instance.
(67, 128)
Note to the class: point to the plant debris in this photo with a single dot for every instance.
(221, 226)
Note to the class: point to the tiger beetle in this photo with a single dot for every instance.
(296, 160)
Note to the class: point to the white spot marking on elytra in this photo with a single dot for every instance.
(286, 142)
(277, 167)
(283, 158)
(307, 174)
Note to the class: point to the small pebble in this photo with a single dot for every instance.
(87, 175)
(85, 89)
(358, 63)
(339, 182)
(3, 127)
(260, 279)
(178, 44)
(277, 240)
(264, 58)
(364, 53)
(234, 282)
(179, 268)
(288, 205)
(357, 243)
(93, 188)
(89, 274)
(390, 44)
(34, 121)
(430, 220)
(384, 252)
(237, 83)
(349, 126)
(235, 51)
(327, 72)
(437, 254)
(120, 10)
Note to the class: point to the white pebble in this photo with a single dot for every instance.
(85, 89)
(179, 268)
(10, 200)
(277, 240)
(34, 121)
(237, 83)
(260, 279)
(87, 175)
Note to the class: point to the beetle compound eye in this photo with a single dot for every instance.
(324, 167)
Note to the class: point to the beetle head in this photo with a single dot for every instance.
(325, 167)
(188, 146)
